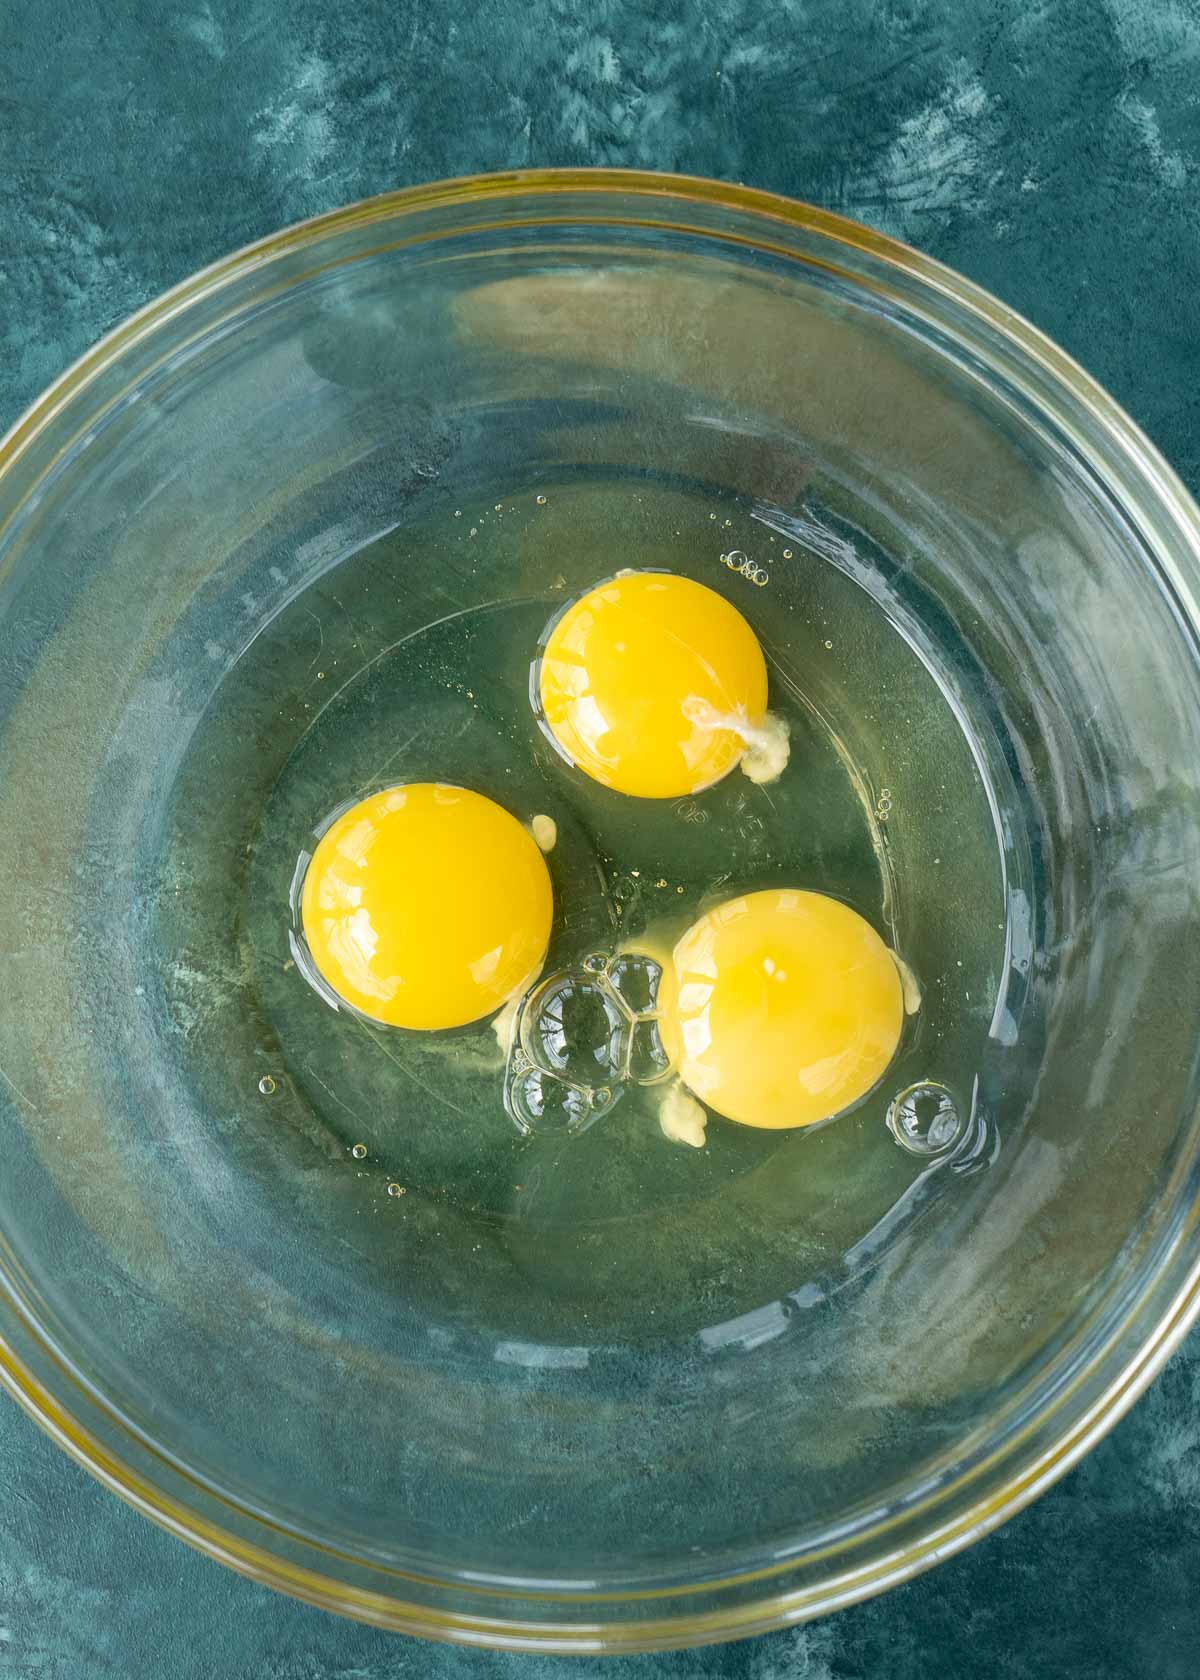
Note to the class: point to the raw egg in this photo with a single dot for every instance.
(653, 684)
(427, 906)
(781, 1008)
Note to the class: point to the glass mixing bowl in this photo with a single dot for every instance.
(686, 1412)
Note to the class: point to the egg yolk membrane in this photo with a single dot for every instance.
(654, 685)
(426, 906)
(781, 1008)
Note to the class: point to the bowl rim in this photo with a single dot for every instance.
(981, 1514)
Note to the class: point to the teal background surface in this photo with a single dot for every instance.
(1050, 149)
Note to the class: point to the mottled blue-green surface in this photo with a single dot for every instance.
(1050, 149)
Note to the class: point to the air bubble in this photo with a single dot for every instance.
(584, 1034)
(541, 501)
(573, 1026)
(542, 1103)
(648, 1060)
(925, 1119)
(359, 1151)
(396, 1190)
(787, 554)
(267, 1085)
(739, 561)
(635, 979)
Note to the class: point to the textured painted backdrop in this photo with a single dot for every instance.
(1050, 149)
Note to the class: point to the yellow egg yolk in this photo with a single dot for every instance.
(641, 679)
(781, 1008)
(426, 906)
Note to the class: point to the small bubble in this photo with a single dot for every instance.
(828, 644)
(541, 501)
(678, 889)
(787, 554)
(727, 523)
(359, 1151)
(595, 963)
(499, 506)
(760, 576)
(320, 676)
(396, 1190)
(924, 1119)
(474, 531)
(712, 516)
(458, 513)
(267, 1085)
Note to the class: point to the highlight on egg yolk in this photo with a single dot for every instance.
(638, 677)
(427, 906)
(781, 1008)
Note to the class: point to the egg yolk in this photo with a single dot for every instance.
(644, 680)
(427, 906)
(781, 1008)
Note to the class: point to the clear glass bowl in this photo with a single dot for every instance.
(204, 1301)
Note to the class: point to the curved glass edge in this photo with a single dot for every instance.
(643, 183)
(1062, 375)
(578, 1637)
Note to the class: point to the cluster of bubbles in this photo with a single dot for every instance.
(580, 1039)
(739, 562)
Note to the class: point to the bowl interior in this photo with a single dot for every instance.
(297, 535)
